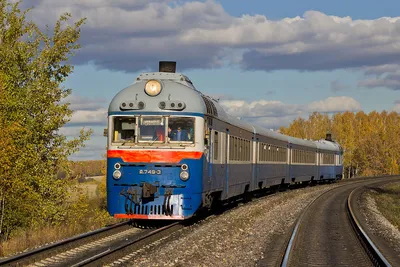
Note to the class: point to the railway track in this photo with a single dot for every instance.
(64, 245)
(329, 233)
(95, 248)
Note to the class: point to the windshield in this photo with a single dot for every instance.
(181, 129)
(160, 130)
(124, 129)
(152, 129)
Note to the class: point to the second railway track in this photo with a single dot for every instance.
(94, 248)
(327, 234)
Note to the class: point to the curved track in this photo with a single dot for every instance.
(325, 235)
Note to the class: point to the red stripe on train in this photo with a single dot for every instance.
(153, 156)
(154, 217)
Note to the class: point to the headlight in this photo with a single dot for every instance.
(184, 167)
(152, 88)
(117, 174)
(117, 166)
(184, 175)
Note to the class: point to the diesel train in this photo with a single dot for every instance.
(172, 151)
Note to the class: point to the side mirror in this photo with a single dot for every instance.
(105, 133)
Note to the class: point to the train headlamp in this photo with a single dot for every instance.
(152, 87)
(184, 167)
(117, 174)
(184, 175)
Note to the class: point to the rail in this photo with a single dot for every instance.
(45, 251)
(373, 252)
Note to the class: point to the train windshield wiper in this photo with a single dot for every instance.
(154, 141)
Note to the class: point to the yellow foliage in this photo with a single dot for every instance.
(371, 141)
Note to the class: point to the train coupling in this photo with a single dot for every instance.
(148, 190)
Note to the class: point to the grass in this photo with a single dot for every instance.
(388, 202)
(86, 214)
(29, 239)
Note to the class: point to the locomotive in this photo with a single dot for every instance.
(172, 151)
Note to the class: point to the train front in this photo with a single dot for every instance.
(155, 148)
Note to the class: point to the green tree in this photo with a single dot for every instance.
(34, 64)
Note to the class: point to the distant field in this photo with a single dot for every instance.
(388, 202)
(90, 186)
(96, 178)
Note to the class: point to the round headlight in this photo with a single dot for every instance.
(117, 166)
(184, 167)
(117, 174)
(152, 88)
(184, 175)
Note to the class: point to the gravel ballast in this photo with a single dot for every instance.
(377, 223)
(252, 234)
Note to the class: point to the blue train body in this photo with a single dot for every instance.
(172, 150)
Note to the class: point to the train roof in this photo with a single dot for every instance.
(176, 87)
(327, 145)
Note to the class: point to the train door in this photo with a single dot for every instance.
(226, 162)
(289, 164)
(217, 156)
(207, 164)
(254, 162)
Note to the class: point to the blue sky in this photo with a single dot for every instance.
(268, 61)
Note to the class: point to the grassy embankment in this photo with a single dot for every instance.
(87, 213)
(388, 201)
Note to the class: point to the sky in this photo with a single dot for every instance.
(268, 62)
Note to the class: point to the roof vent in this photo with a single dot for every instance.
(167, 66)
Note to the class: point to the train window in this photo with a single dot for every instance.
(216, 145)
(231, 147)
(236, 142)
(124, 129)
(151, 129)
(181, 129)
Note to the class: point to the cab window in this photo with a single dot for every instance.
(181, 129)
(124, 129)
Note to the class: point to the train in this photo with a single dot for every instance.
(173, 151)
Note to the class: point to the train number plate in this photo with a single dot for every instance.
(154, 172)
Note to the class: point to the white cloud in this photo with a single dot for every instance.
(89, 117)
(335, 104)
(84, 103)
(86, 111)
(273, 114)
(134, 35)
(260, 108)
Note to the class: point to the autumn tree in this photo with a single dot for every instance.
(33, 66)
(370, 142)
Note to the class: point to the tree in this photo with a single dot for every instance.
(33, 66)
(370, 141)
